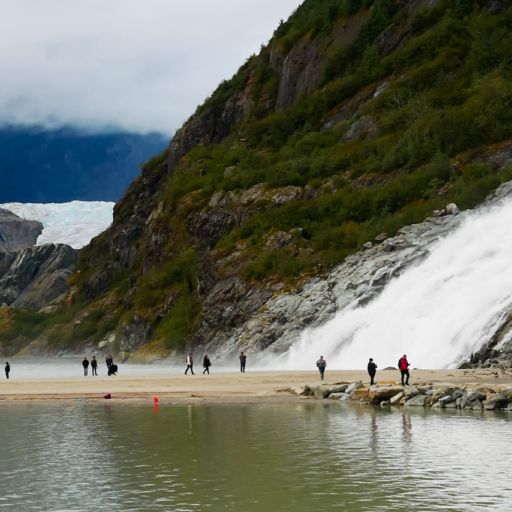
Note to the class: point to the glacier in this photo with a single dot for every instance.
(73, 223)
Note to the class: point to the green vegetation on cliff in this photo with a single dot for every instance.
(357, 118)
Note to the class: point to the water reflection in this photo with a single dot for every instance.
(84, 456)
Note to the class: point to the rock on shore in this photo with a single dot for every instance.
(438, 396)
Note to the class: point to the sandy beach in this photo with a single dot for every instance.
(226, 387)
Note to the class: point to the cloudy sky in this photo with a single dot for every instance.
(141, 65)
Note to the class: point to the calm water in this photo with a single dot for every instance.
(79, 456)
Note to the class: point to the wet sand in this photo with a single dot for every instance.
(226, 387)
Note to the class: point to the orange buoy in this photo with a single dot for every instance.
(155, 400)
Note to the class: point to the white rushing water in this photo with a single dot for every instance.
(436, 312)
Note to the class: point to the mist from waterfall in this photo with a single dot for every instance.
(436, 312)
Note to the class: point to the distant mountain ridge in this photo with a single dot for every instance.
(57, 165)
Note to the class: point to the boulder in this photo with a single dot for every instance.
(307, 391)
(410, 391)
(395, 399)
(379, 393)
(445, 400)
(359, 394)
(352, 387)
(498, 401)
(417, 401)
(507, 392)
(321, 392)
(438, 393)
(458, 393)
(341, 388)
(452, 209)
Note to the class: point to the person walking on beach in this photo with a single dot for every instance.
(190, 364)
(7, 369)
(372, 370)
(206, 364)
(243, 360)
(85, 364)
(109, 361)
(321, 365)
(94, 366)
(403, 366)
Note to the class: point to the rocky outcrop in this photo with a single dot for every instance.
(301, 69)
(208, 126)
(364, 128)
(36, 277)
(17, 233)
(278, 320)
(135, 333)
(299, 73)
(489, 398)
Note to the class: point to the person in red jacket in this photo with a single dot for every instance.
(403, 366)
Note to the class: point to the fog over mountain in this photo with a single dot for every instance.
(139, 66)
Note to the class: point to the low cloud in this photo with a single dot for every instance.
(131, 64)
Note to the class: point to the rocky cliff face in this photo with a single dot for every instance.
(17, 233)
(36, 277)
(31, 277)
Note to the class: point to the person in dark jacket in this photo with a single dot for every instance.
(7, 370)
(206, 364)
(403, 366)
(321, 364)
(243, 360)
(85, 364)
(111, 367)
(94, 366)
(372, 370)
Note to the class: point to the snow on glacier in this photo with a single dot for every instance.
(74, 223)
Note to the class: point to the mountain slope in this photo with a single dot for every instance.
(356, 119)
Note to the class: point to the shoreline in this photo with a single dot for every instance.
(232, 387)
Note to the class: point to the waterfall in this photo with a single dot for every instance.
(436, 312)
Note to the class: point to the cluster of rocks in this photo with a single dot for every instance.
(450, 209)
(437, 396)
